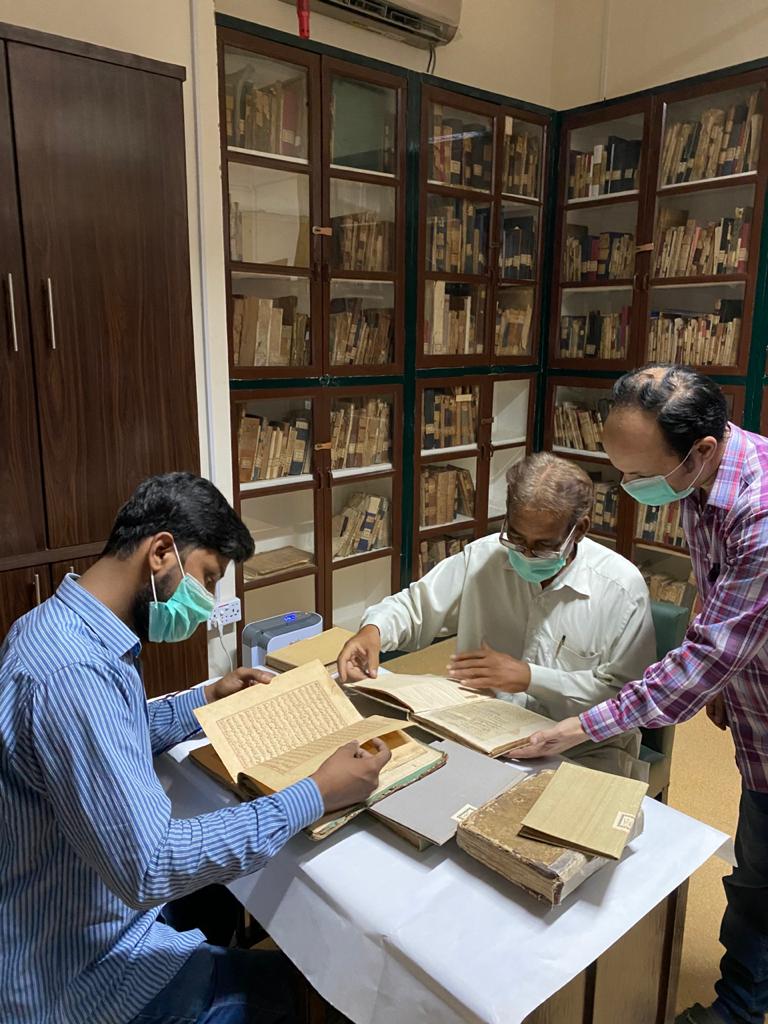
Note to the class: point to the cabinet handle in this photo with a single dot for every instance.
(12, 313)
(38, 597)
(51, 318)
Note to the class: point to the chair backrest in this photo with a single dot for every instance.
(670, 622)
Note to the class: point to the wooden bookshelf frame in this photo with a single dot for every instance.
(319, 273)
(322, 481)
(331, 67)
(649, 195)
(492, 280)
(640, 106)
(481, 452)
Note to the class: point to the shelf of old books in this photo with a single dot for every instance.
(660, 526)
(268, 156)
(607, 508)
(522, 158)
(433, 549)
(361, 323)
(604, 155)
(271, 320)
(592, 315)
(454, 318)
(576, 411)
(447, 494)
(712, 136)
(274, 442)
(667, 572)
(598, 228)
(449, 421)
(481, 200)
(698, 326)
(265, 102)
(364, 184)
(362, 519)
(700, 289)
(313, 153)
(514, 330)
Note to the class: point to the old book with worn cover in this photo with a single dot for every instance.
(271, 736)
(456, 712)
(324, 647)
(492, 836)
(586, 810)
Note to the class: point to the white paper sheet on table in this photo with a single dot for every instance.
(390, 935)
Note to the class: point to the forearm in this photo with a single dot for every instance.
(172, 719)
(216, 847)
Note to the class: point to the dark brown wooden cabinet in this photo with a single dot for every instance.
(103, 208)
(22, 522)
(97, 366)
(21, 590)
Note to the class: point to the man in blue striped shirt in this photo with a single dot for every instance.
(89, 852)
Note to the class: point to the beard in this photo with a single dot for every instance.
(142, 601)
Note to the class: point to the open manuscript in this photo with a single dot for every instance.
(449, 709)
(268, 737)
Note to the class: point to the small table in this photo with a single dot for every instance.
(390, 935)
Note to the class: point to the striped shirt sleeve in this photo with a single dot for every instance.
(726, 635)
(97, 770)
(172, 719)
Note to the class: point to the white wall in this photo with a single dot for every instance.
(605, 48)
(504, 46)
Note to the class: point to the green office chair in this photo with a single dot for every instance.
(670, 622)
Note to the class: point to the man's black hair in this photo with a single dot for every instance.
(191, 508)
(687, 405)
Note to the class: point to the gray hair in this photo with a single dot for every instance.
(546, 483)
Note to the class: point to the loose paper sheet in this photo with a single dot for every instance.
(586, 810)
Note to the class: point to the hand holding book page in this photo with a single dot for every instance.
(276, 735)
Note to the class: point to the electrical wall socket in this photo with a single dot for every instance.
(225, 613)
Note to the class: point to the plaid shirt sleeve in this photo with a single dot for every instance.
(730, 629)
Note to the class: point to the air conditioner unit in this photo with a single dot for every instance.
(422, 23)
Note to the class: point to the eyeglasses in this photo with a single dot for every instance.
(523, 549)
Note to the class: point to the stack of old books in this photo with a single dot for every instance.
(554, 829)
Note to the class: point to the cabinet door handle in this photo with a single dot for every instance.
(51, 318)
(38, 597)
(12, 313)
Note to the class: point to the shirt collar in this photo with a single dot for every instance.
(111, 630)
(725, 489)
(576, 574)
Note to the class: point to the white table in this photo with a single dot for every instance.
(390, 935)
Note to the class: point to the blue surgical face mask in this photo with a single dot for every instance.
(189, 606)
(538, 570)
(656, 490)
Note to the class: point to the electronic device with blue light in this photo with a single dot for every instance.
(262, 637)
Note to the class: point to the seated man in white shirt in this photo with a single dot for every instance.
(542, 614)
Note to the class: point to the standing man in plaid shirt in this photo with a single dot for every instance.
(668, 433)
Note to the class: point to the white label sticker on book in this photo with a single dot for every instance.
(624, 821)
(463, 812)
